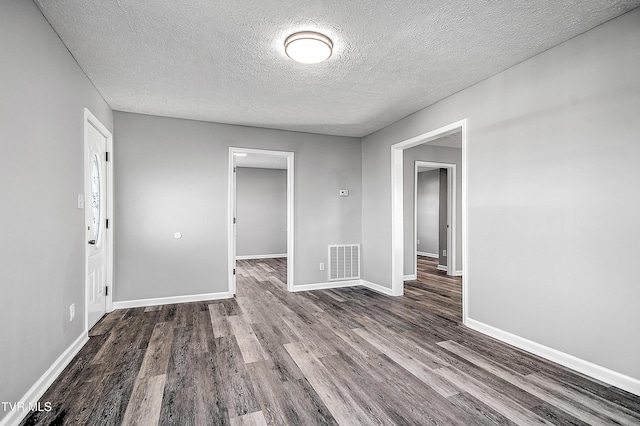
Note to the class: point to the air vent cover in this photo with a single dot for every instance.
(344, 262)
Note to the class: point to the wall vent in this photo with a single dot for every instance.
(344, 262)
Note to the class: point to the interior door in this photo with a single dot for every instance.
(95, 223)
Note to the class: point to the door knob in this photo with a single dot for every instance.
(92, 242)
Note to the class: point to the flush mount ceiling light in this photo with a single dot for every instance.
(308, 47)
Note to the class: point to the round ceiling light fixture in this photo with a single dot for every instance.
(308, 47)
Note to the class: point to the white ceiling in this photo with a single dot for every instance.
(224, 61)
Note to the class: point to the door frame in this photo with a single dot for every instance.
(231, 237)
(397, 208)
(451, 213)
(91, 120)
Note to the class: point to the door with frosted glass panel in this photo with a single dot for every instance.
(95, 223)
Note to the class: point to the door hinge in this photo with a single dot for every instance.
(234, 271)
(107, 223)
(106, 290)
(106, 156)
(234, 220)
(234, 170)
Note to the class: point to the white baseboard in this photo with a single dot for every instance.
(424, 253)
(261, 256)
(327, 285)
(411, 277)
(598, 372)
(442, 268)
(340, 284)
(457, 273)
(377, 287)
(34, 394)
(126, 304)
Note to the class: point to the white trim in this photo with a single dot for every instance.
(262, 256)
(36, 391)
(598, 372)
(425, 254)
(231, 198)
(377, 288)
(411, 277)
(231, 229)
(341, 284)
(139, 303)
(458, 273)
(442, 268)
(327, 285)
(111, 231)
(415, 219)
(397, 207)
(91, 119)
(465, 227)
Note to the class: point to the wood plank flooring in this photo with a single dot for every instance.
(435, 291)
(346, 356)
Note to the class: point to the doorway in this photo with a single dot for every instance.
(397, 213)
(98, 209)
(240, 158)
(441, 234)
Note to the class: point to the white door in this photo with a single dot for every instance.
(95, 189)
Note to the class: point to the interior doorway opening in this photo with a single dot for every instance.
(261, 181)
(435, 214)
(398, 264)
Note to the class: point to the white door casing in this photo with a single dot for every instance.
(231, 202)
(397, 216)
(97, 182)
(234, 214)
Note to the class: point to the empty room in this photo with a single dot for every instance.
(303, 213)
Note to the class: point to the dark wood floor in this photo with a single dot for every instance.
(434, 291)
(346, 356)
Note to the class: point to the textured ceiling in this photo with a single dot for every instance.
(224, 61)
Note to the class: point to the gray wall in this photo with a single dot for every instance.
(261, 211)
(428, 211)
(537, 134)
(424, 152)
(42, 96)
(172, 176)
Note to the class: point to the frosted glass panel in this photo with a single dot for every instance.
(95, 197)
